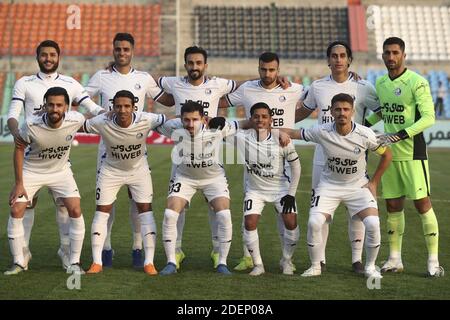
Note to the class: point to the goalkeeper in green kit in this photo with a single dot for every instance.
(407, 110)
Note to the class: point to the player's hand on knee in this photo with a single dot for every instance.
(288, 203)
(17, 192)
(216, 123)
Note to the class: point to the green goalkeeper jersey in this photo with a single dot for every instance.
(406, 104)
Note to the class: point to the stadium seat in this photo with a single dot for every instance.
(33, 22)
(245, 30)
(428, 43)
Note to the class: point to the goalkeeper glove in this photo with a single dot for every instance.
(387, 139)
(217, 123)
(288, 203)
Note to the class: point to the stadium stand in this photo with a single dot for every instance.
(293, 32)
(32, 22)
(425, 29)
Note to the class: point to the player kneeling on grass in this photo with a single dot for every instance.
(345, 180)
(266, 181)
(46, 163)
(198, 168)
(124, 133)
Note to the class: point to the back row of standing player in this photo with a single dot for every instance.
(211, 93)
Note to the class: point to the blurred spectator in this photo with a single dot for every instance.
(439, 105)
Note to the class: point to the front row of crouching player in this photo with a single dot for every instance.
(265, 153)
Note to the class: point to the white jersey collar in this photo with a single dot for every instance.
(353, 127)
(48, 76)
(132, 120)
(260, 85)
(350, 77)
(122, 74)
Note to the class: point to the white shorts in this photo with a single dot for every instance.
(139, 183)
(327, 199)
(60, 184)
(255, 201)
(185, 188)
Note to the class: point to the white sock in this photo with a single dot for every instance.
(246, 253)
(290, 242)
(76, 235)
(323, 245)
(373, 238)
(170, 234)
(314, 238)
(112, 216)
(224, 234)
(180, 227)
(28, 221)
(213, 225)
(98, 235)
(148, 230)
(251, 240)
(135, 225)
(356, 231)
(16, 233)
(281, 228)
(63, 221)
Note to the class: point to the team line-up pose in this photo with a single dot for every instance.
(271, 163)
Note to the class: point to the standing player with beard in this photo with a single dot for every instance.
(196, 87)
(45, 162)
(283, 103)
(106, 83)
(407, 109)
(28, 94)
(318, 97)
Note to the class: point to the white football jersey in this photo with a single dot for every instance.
(265, 169)
(282, 102)
(207, 94)
(323, 90)
(125, 147)
(197, 157)
(106, 83)
(345, 155)
(29, 91)
(49, 148)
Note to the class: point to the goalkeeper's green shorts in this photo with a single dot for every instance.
(406, 178)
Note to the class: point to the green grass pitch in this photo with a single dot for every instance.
(197, 279)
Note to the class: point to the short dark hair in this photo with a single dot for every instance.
(340, 43)
(47, 43)
(195, 49)
(125, 94)
(57, 91)
(260, 105)
(394, 40)
(342, 97)
(269, 57)
(192, 106)
(123, 36)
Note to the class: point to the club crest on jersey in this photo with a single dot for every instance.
(282, 98)
(137, 86)
(69, 137)
(397, 91)
(139, 135)
(357, 150)
(208, 91)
